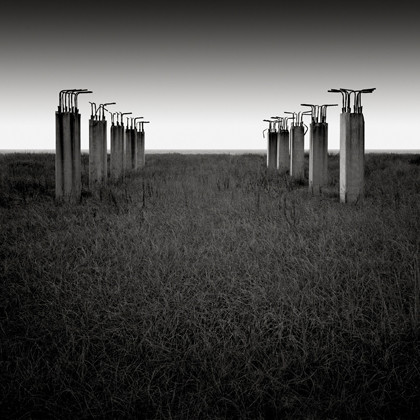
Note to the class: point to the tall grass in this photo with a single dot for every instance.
(206, 287)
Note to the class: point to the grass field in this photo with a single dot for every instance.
(205, 287)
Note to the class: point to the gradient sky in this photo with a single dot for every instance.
(207, 74)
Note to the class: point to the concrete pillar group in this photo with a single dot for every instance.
(127, 146)
(352, 146)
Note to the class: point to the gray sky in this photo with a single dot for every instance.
(206, 75)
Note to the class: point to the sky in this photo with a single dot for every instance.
(206, 74)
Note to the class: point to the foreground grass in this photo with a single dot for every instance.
(205, 287)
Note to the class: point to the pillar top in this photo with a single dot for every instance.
(346, 95)
(67, 99)
(319, 112)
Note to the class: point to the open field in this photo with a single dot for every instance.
(205, 287)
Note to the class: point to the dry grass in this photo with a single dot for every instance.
(204, 287)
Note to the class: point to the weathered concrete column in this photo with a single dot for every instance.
(97, 153)
(76, 157)
(297, 152)
(105, 151)
(271, 144)
(142, 149)
(117, 152)
(352, 145)
(59, 155)
(68, 157)
(141, 139)
(130, 152)
(68, 164)
(272, 149)
(138, 163)
(318, 152)
(324, 177)
(352, 152)
(68, 183)
(318, 157)
(283, 155)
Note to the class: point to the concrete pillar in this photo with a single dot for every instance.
(143, 148)
(283, 156)
(140, 150)
(297, 152)
(130, 152)
(272, 149)
(105, 151)
(59, 155)
(138, 158)
(68, 157)
(352, 152)
(324, 178)
(352, 145)
(68, 140)
(76, 157)
(117, 152)
(97, 153)
(318, 157)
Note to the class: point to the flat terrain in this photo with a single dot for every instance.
(206, 287)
